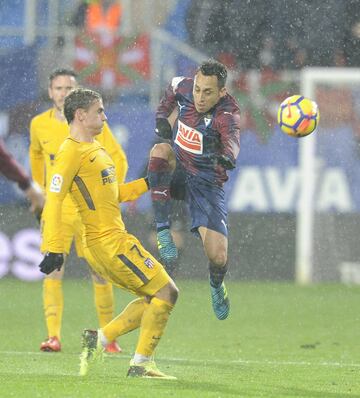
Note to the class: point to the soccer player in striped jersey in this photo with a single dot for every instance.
(48, 131)
(205, 142)
(84, 169)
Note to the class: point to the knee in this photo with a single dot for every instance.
(174, 293)
(162, 150)
(168, 293)
(219, 258)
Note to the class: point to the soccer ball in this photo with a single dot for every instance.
(298, 116)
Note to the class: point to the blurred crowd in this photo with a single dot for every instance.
(279, 34)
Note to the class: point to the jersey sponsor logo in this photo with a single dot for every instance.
(56, 183)
(108, 175)
(189, 139)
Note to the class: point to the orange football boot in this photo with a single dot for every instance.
(113, 348)
(52, 344)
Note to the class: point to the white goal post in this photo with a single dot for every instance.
(310, 77)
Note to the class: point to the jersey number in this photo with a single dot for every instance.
(134, 247)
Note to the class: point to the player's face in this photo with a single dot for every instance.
(60, 87)
(94, 118)
(206, 92)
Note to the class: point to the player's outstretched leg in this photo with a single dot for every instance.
(92, 349)
(219, 295)
(160, 175)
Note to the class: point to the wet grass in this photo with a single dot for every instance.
(281, 340)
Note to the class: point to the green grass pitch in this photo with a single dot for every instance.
(281, 340)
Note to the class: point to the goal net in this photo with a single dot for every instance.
(328, 212)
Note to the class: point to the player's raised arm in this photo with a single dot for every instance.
(168, 104)
(133, 190)
(229, 129)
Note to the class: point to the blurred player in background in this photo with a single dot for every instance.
(12, 170)
(205, 143)
(84, 168)
(48, 131)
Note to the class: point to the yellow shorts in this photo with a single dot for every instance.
(72, 229)
(123, 261)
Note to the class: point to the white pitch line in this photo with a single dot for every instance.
(199, 361)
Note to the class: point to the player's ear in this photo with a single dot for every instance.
(223, 92)
(79, 114)
(50, 92)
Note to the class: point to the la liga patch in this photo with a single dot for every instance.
(56, 183)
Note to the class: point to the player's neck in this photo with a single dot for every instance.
(59, 114)
(81, 135)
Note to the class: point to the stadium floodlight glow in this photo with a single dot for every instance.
(310, 78)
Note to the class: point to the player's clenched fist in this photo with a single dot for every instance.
(51, 262)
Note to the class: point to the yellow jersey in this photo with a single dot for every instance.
(87, 172)
(47, 133)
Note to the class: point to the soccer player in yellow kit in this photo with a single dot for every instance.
(48, 131)
(84, 168)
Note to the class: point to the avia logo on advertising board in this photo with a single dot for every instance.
(272, 189)
(20, 255)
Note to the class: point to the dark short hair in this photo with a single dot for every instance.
(212, 67)
(80, 98)
(61, 72)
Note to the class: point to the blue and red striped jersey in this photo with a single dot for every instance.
(199, 139)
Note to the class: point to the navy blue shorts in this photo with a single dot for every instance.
(206, 202)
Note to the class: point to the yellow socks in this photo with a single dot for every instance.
(53, 300)
(152, 326)
(127, 321)
(152, 319)
(104, 302)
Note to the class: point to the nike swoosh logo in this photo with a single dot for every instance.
(45, 142)
(91, 160)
